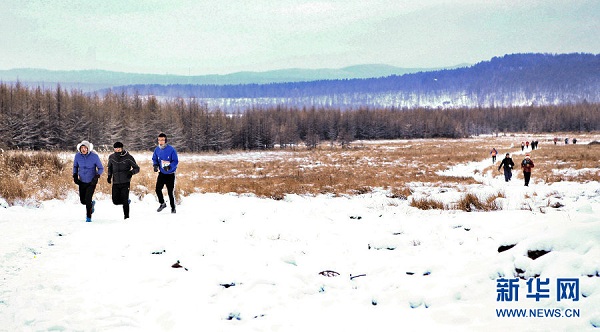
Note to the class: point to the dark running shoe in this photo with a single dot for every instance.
(161, 207)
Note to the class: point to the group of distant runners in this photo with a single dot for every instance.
(566, 140)
(508, 164)
(526, 164)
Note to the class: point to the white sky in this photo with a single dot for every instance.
(201, 37)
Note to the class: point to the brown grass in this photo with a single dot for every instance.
(471, 202)
(563, 157)
(30, 175)
(359, 169)
(468, 202)
(329, 170)
(427, 204)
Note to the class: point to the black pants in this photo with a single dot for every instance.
(161, 181)
(120, 196)
(507, 174)
(86, 192)
(527, 176)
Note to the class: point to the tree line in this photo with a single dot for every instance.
(56, 119)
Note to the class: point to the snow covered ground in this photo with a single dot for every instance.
(321, 263)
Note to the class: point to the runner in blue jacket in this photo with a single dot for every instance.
(87, 169)
(164, 160)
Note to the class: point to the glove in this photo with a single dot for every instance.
(95, 180)
(156, 168)
(167, 168)
(129, 174)
(75, 178)
(108, 179)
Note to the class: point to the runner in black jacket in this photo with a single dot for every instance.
(508, 164)
(121, 167)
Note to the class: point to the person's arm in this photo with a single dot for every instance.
(75, 170)
(134, 166)
(75, 166)
(174, 161)
(99, 166)
(155, 163)
(109, 169)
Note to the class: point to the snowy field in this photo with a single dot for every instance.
(360, 263)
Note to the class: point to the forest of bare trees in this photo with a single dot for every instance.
(56, 119)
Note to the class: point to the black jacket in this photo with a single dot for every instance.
(121, 166)
(507, 162)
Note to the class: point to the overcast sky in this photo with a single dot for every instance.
(198, 37)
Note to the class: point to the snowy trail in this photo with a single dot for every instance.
(253, 264)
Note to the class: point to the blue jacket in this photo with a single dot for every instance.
(87, 166)
(165, 156)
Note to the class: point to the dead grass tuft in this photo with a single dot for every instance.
(11, 189)
(25, 175)
(400, 193)
(427, 204)
(471, 202)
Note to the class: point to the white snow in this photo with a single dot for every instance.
(253, 264)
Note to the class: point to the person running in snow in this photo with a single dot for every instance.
(164, 160)
(494, 152)
(87, 169)
(508, 165)
(527, 165)
(121, 167)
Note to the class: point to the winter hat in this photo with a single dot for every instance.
(89, 145)
(118, 145)
(527, 155)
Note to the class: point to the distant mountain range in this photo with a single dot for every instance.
(92, 80)
(509, 80)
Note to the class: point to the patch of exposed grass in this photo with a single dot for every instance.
(401, 193)
(427, 204)
(26, 175)
(471, 202)
(559, 160)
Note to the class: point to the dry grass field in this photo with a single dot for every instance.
(31, 177)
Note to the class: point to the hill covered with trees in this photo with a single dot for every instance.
(511, 80)
(94, 79)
